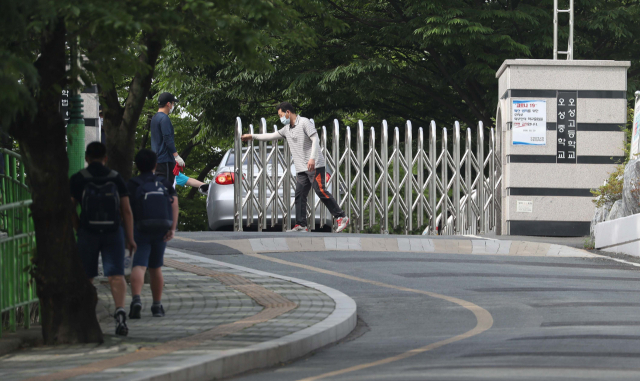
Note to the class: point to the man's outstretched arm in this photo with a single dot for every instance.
(262, 137)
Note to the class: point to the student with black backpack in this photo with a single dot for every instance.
(154, 203)
(105, 210)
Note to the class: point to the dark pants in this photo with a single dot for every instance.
(315, 179)
(166, 170)
(109, 244)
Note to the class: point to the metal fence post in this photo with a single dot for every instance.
(396, 175)
(262, 180)
(372, 177)
(468, 166)
(275, 168)
(237, 185)
(384, 158)
(421, 186)
(492, 179)
(311, 201)
(359, 180)
(408, 182)
(433, 183)
(336, 162)
(456, 179)
(481, 179)
(444, 220)
(252, 181)
(323, 209)
(347, 171)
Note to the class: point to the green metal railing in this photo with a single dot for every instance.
(17, 241)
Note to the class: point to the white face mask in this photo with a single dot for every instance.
(171, 109)
(284, 120)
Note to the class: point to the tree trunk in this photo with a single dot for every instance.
(121, 122)
(145, 137)
(67, 298)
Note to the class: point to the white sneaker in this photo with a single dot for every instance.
(342, 223)
(299, 228)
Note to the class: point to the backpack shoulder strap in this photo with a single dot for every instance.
(86, 174)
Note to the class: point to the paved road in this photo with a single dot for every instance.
(422, 314)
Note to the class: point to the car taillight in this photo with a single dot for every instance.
(225, 178)
(327, 177)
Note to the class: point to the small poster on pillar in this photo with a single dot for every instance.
(529, 122)
(567, 127)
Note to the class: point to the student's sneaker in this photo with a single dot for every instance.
(157, 311)
(299, 228)
(121, 323)
(203, 189)
(134, 309)
(342, 223)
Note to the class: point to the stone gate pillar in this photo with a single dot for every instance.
(559, 126)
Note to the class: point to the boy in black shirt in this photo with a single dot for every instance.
(97, 236)
(151, 246)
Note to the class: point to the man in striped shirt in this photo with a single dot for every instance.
(309, 162)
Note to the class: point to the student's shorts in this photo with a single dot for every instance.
(150, 251)
(110, 245)
(181, 179)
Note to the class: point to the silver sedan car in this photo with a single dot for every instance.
(220, 197)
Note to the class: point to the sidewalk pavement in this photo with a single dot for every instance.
(220, 320)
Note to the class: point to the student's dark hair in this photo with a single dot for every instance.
(286, 106)
(146, 160)
(95, 151)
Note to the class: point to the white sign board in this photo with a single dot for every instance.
(529, 122)
(524, 207)
(635, 137)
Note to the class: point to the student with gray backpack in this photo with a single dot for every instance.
(154, 202)
(105, 225)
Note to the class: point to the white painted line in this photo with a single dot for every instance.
(616, 259)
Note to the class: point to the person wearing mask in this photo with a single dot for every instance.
(105, 210)
(309, 163)
(163, 138)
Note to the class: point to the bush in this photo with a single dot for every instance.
(611, 191)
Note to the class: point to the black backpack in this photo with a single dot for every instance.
(152, 212)
(100, 203)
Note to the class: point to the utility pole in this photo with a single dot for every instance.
(75, 128)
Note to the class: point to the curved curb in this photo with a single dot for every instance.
(282, 243)
(225, 363)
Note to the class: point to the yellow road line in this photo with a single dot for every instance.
(483, 317)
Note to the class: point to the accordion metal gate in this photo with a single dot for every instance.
(404, 186)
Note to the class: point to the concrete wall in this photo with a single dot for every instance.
(560, 192)
(619, 236)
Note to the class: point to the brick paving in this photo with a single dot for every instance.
(209, 307)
